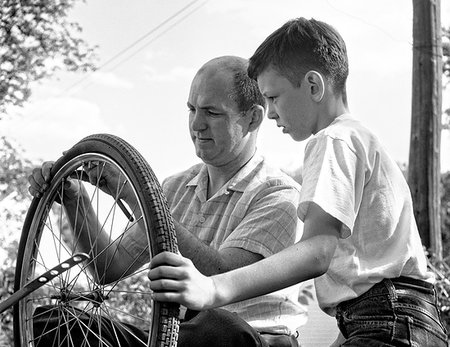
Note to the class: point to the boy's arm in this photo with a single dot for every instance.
(175, 279)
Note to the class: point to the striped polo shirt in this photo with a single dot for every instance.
(255, 210)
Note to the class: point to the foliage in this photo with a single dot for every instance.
(14, 201)
(446, 53)
(441, 270)
(440, 266)
(36, 39)
(445, 213)
(446, 70)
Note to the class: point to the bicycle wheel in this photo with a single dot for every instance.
(86, 306)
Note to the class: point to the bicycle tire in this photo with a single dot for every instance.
(66, 293)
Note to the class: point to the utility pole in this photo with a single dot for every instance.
(424, 157)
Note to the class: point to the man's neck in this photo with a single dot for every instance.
(219, 175)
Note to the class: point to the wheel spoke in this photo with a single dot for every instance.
(77, 307)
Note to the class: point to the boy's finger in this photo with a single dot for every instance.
(166, 297)
(166, 258)
(165, 285)
(164, 271)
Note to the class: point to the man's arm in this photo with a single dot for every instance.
(269, 225)
(111, 260)
(208, 260)
(175, 279)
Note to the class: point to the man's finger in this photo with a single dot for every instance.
(46, 170)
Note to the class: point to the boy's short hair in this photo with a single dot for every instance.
(299, 46)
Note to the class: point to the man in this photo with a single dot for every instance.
(230, 211)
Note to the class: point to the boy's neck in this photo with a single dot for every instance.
(330, 110)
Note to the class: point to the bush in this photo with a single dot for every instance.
(442, 271)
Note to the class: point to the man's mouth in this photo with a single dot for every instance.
(203, 139)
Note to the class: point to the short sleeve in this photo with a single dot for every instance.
(270, 223)
(332, 179)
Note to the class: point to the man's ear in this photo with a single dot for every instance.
(256, 114)
(316, 84)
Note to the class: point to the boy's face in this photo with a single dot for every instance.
(290, 106)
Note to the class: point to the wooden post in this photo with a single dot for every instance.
(424, 156)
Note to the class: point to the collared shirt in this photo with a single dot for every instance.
(256, 211)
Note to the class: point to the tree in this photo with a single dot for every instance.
(36, 40)
(424, 156)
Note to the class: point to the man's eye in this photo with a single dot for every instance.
(212, 114)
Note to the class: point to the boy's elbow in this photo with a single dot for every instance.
(324, 255)
(322, 266)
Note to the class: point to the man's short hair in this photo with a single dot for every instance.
(299, 46)
(245, 91)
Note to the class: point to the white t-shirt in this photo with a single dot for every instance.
(350, 176)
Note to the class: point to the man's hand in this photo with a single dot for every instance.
(174, 278)
(40, 181)
(108, 178)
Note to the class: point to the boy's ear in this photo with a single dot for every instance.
(256, 114)
(316, 84)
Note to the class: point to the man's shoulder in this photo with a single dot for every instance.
(268, 173)
(183, 177)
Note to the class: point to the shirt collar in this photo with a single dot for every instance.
(239, 182)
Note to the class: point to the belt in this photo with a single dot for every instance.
(412, 283)
(276, 340)
(399, 284)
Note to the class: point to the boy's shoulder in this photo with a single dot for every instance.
(349, 129)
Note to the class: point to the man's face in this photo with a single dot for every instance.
(216, 126)
(288, 105)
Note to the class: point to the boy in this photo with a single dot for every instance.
(360, 241)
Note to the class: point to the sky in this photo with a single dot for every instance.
(154, 49)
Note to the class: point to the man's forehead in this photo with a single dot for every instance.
(212, 84)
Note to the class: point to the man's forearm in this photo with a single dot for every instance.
(89, 237)
(206, 259)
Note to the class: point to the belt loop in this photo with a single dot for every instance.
(391, 289)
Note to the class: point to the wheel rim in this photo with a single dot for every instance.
(75, 292)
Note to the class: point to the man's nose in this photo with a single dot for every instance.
(197, 121)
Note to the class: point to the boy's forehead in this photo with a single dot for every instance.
(269, 79)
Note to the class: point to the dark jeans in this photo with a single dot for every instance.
(395, 312)
(219, 328)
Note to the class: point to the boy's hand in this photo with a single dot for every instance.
(174, 278)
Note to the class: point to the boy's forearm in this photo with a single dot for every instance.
(300, 262)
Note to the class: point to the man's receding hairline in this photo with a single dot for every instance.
(224, 64)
